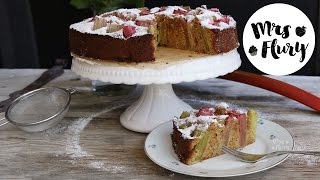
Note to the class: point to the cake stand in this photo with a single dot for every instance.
(158, 102)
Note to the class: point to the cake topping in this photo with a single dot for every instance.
(154, 10)
(200, 120)
(184, 115)
(179, 11)
(169, 10)
(149, 17)
(225, 19)
(98, 23)
(144, 11)
(128, 31)
(214, 9)
(113, 28)
(205, 111)
(128, 14)
(222, 105)
(143, 17)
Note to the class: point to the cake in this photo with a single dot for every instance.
(199, 135)
(132, 35)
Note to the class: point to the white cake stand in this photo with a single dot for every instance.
(158, 103)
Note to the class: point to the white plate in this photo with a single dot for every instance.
(270, 137)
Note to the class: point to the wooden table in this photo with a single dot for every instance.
(90, 143)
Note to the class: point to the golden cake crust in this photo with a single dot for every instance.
(135, 49)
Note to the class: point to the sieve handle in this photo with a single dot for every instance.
(3, 121)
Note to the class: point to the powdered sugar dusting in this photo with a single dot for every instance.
(100, 165)
(297, 159)
(83, 26)
(128, 12)
(86, 27)
(223, 105)
(154, 10)
(129, 16)
(74, 150)
(170, 9)
(201, 119)
(202, 102)
(146, 17)
(207, 16)
(186, 132)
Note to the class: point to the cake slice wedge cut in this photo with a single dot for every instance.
(199, 135)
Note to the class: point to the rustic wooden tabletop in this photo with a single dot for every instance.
(90, 143)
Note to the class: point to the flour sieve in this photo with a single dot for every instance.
(39, 109)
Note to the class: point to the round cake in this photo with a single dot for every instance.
(132, 35)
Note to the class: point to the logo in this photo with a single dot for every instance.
(278, 39)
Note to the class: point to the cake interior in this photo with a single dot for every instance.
(180, 34)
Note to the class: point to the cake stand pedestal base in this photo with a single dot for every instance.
(157, 104)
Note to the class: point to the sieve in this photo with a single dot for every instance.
(39, 109)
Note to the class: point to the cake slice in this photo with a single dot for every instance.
(199, 135)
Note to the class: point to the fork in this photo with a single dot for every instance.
(246, 157)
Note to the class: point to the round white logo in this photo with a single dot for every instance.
(278, 39)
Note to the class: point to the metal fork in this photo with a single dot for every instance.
(246, 157)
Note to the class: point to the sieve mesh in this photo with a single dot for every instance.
(38, 106)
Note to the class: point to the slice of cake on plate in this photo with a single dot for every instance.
(132, 35)
(199, 135)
